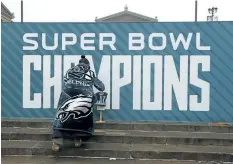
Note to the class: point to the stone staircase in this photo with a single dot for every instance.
(134, 142)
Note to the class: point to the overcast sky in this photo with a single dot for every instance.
(87, 10)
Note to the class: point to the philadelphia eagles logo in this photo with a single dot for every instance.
(79, 106)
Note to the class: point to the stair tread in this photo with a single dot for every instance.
(141, 125)
(123, 147)
(127, 122)
(57, 160)
(134, 133)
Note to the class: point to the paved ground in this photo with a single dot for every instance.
(54, 160)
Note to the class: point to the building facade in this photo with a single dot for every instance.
(6, 15)
(126, 16)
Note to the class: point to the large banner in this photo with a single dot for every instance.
(179, 72)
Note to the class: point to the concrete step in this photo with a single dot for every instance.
(147, 126)
(65, 160)
(128, 137)
(127, 151)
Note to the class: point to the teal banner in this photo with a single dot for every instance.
(173, 72)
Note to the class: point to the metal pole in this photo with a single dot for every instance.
(21, 10)
(196, 11)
